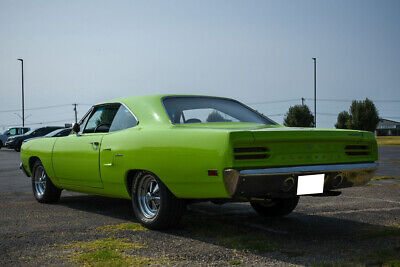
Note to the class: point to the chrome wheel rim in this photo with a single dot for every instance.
(40, 181)
(149, 196)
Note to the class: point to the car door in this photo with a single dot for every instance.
(76, 157)
(114, 149)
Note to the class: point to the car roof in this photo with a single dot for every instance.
(149, 109)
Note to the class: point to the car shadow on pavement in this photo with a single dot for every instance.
(111, 207)
(299, 238)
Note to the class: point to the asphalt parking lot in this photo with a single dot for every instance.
(362, 226)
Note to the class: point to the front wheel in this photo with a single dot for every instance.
(275, 207)
(18, 147)
(43, 189)
(154, 205)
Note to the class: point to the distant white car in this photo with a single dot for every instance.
(11, 132)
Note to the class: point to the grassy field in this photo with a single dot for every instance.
(388, 140)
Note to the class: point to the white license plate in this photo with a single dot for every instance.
(310, 184)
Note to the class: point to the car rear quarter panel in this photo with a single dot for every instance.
(181, 158)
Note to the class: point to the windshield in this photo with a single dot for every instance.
(29, 132)
(53, 133)
(5, 132)
(201, 109)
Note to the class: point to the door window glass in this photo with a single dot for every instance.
(101, 119)
(123, 120)
(13, 131)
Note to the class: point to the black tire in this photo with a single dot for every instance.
(1, 144)
(18, 147)
(166, 214)
(276, 207)
(43, 188)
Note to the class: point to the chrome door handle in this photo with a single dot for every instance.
(107, 149)
(118, 155)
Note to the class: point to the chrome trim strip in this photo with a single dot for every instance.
(312, 168)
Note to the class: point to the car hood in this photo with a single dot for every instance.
(28, 139)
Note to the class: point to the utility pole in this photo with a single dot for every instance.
(315, 91)
(23, 104)
(302, 101)
(76, 113)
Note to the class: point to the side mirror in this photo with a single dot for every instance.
(76, 128)
(8, 133)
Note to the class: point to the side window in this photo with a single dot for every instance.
(36, 132)
(49, 130)
(123, 120)
(12, 131)
(100, 120)
(41, 131)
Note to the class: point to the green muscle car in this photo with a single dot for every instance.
(163, 151)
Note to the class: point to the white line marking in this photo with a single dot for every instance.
(353, 211)
(377, 199)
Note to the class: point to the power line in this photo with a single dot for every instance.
(275, 115)
(272, 101)
(350, 100)
(36, 123)
(36, 108)
(45, 107)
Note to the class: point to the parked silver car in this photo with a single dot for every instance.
(11, 132)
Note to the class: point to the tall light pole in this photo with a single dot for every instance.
(76, 113)
(23, 104)
(315, 91)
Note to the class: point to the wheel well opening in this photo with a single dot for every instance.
(131, 178)
(32, 161)
(132, 175)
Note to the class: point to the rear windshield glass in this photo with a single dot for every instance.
(183, 110)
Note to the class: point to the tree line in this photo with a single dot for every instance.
(362, 115)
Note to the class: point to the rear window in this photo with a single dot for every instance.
(182, 110)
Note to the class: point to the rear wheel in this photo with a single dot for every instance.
(275, 207)
(43, 188)
(154, 205)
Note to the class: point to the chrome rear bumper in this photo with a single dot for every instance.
(283, 181)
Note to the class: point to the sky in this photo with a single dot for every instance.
(259, 52)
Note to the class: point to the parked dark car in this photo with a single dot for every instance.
(11, 132)
(15, 142)
(55, 133)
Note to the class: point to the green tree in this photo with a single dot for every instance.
(362, 115)
(343, 120)
(299, 116)
(215, 116)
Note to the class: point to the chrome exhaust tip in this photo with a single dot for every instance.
(287, 184)
(337, 180)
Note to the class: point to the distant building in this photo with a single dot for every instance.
(387, 127)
